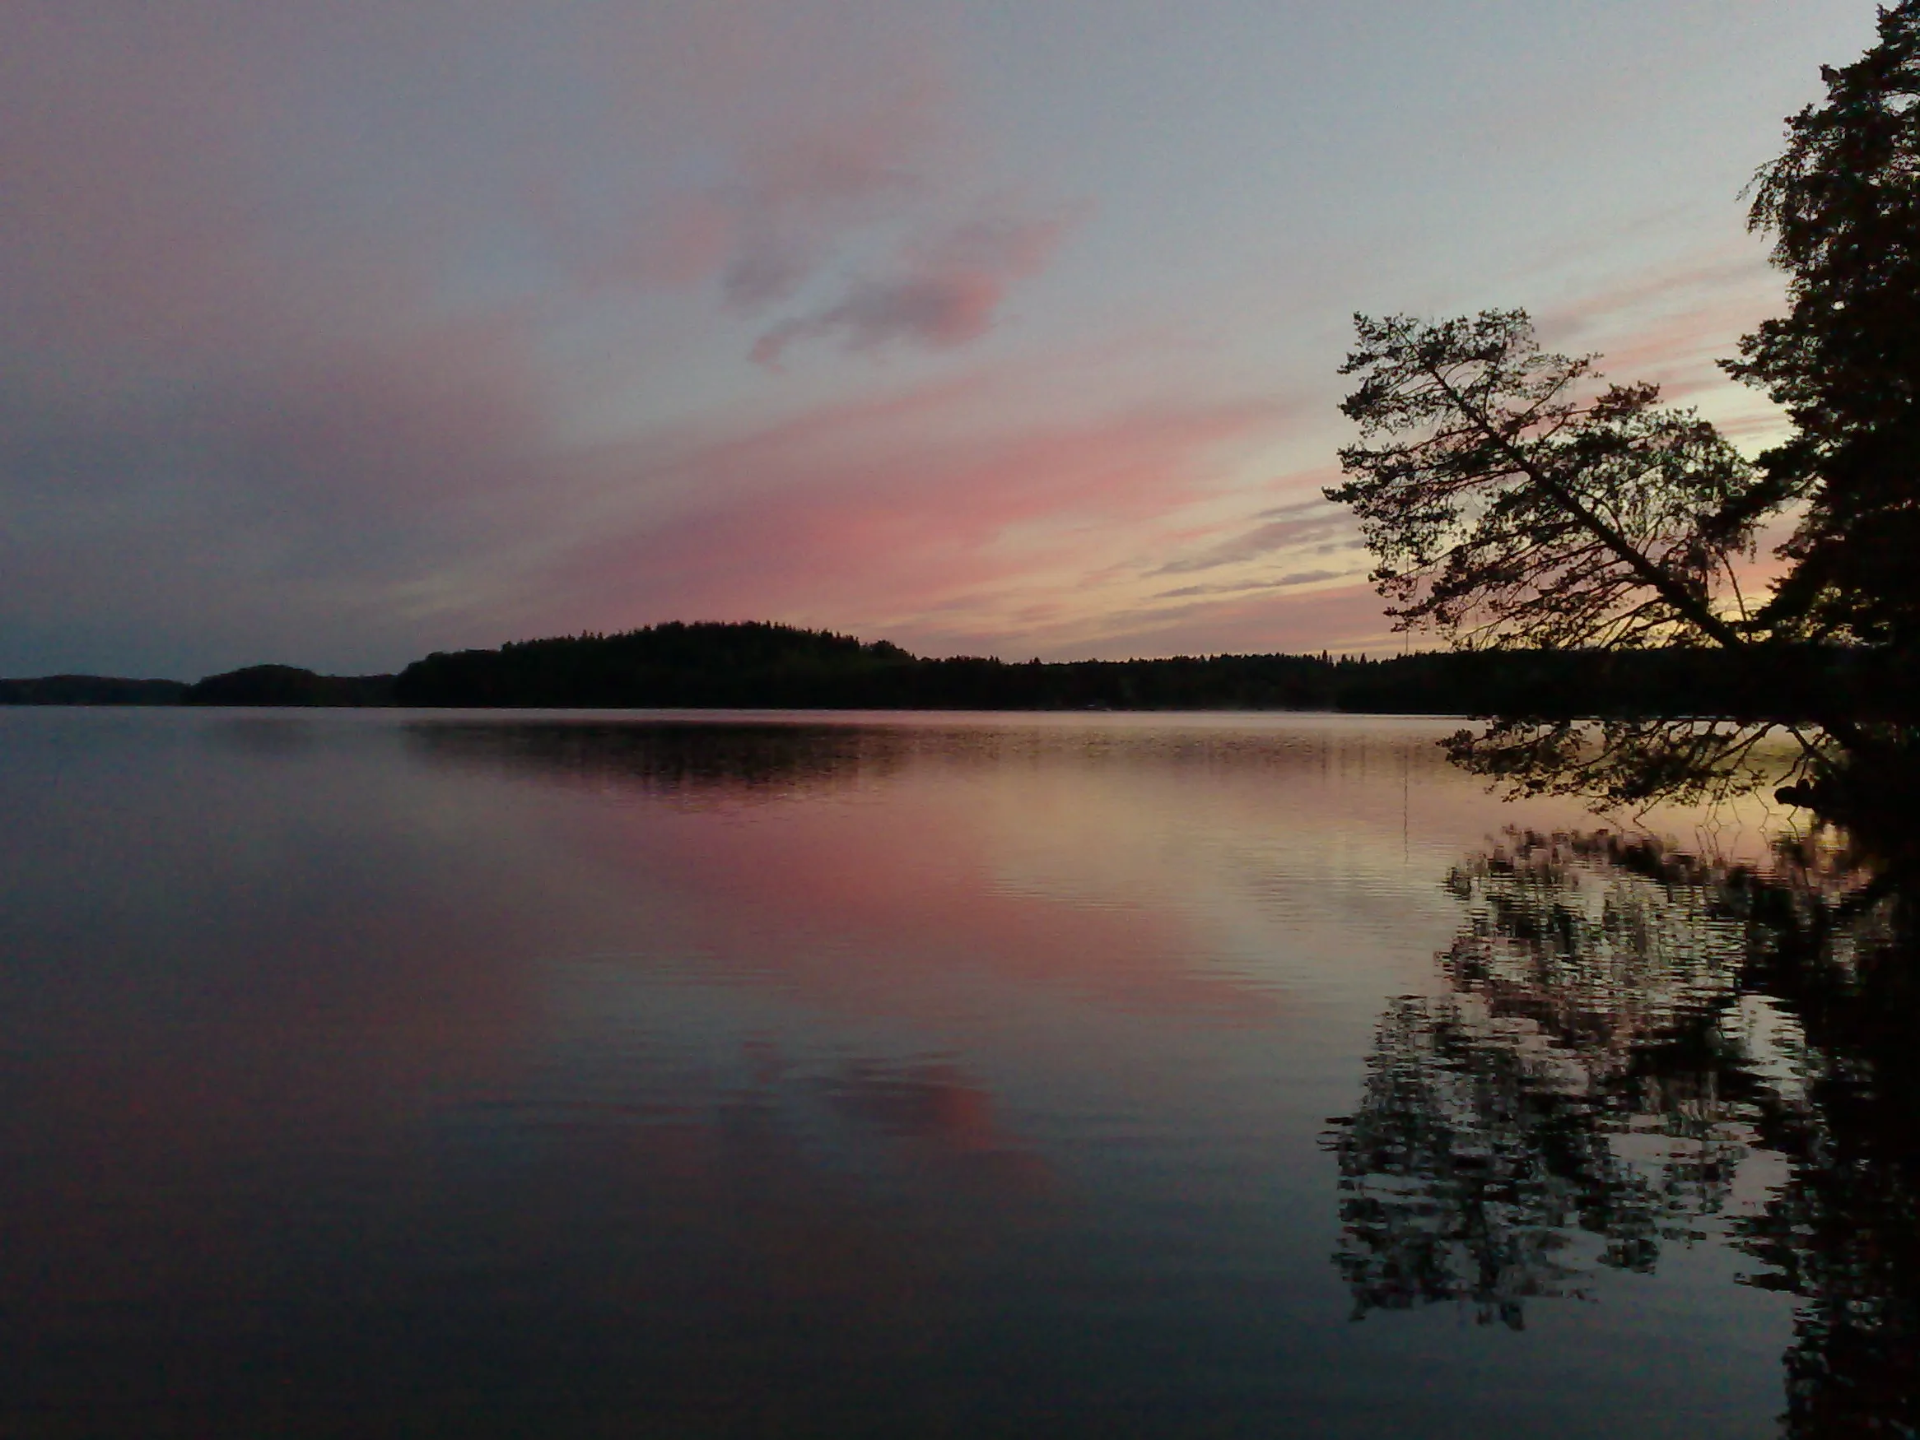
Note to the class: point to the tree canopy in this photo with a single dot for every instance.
(1513, 500)
(1843, 206)
(1510, 499)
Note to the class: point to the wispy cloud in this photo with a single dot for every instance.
(1673, 326)
(770, 227)
(1284, 582)
(942, 292)
(1339, 618)
(881, 513)
(334, 330)
(1309, 526)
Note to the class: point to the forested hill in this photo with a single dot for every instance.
(778, 666)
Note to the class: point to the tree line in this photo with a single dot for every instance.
(761, 665)
(775, 666)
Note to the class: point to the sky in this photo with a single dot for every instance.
(333, 332)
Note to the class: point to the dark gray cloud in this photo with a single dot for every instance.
(1285, 582)
(1313, 527)
(796, 203)
(943, 293)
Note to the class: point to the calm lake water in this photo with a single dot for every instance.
(389, 1073)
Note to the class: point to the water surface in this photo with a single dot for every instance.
(385, 1073)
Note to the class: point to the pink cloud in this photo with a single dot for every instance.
(244, 419)
(868, 513)
(1673, 327)
(796, 195)
(1284, 582)
(235, 398)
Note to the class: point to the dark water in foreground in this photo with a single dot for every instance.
(380, 1074)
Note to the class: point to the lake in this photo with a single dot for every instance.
(403, 1073)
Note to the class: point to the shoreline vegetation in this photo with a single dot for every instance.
(757, 665)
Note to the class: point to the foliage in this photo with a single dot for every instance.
(1512, 500)
(676, 664)
(762, 665)
(1843, 205)
(1509, 499)
(1630, 761)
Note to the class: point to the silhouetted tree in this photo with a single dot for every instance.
(1512, 501)
(1843, 206)
(277, 685)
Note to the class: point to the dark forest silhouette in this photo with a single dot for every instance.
(288, 685)
(779, 666)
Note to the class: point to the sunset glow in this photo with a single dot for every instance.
(337, 333)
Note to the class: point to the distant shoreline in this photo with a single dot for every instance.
(756, 666)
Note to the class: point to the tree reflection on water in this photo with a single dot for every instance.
(1628, 1034)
